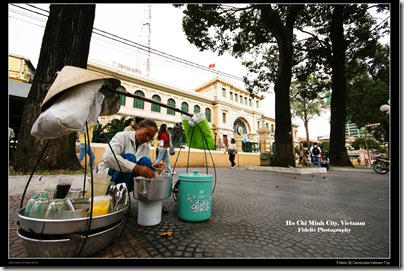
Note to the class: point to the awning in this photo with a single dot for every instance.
(18, 89)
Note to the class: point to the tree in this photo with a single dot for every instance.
(340, 34)
(66, 41)
(105, 133)
(368, 89)
(372, 144)
(306, 101)
(249, 29)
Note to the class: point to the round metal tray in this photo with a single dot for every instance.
(66, 226)
(67, 245)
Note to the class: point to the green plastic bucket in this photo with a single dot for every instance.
(194, 196)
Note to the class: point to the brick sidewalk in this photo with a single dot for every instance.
(250, 212)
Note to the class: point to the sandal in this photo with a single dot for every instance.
(165, 210)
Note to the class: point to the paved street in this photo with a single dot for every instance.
(262, 218)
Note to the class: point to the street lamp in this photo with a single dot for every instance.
(385, 108)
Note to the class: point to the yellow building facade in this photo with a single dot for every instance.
(231, 111)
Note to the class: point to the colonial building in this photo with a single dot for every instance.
(230, 111)
(20, 75)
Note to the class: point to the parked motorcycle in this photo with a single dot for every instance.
(381, 165)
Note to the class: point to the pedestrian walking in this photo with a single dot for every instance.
(85, 148)
(232, 151)
(367, 160)
(164, 141)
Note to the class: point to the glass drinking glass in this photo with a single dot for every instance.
(39, 208)
(51, 193)
(63, 186)
(55, 209)
(34, 197)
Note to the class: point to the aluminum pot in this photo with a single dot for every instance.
(156, 188)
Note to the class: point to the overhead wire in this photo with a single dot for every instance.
(125, 43)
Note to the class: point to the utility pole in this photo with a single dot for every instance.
(143, 64)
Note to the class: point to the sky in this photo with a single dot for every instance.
(166, 37)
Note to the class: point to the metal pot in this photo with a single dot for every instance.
(67, 245)
(66, 226)
(156, 188)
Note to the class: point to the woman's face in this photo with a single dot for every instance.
(145, 134)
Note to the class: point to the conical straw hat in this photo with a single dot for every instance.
(71, 76)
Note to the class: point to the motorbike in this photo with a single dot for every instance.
(381, 165)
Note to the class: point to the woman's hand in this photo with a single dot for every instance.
(159, 167)
(144, 171)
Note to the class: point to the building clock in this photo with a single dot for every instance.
(239, 127)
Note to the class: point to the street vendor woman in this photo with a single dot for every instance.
(131, 150)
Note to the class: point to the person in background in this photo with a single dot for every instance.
(378, 154)
(306, 162)
(367, 160)
(325, 161)
(164, 142)
(11, 134)
(232, 151)
(128, 155)
(315, 155)
(301, 154)
(85, 147)
(129, 125)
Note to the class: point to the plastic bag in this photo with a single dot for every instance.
(197, 132)
(171, 150)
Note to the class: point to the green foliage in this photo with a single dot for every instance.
(258, 33)
(368, 89)
(108, 131)
(325, 146)
(307, 98)
(372, 144)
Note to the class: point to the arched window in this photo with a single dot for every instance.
(170, 111)
(272, 128)
(208, 114)
(156, 107)
(122, 98)
(184, 107)
(137, 103)
(197, 109)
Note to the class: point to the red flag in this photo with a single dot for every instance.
(211, 66)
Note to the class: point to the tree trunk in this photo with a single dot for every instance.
(66, 41)
(338, 152)
(306, 127)
(284, 151)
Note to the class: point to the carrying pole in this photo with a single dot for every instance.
(125, 93)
